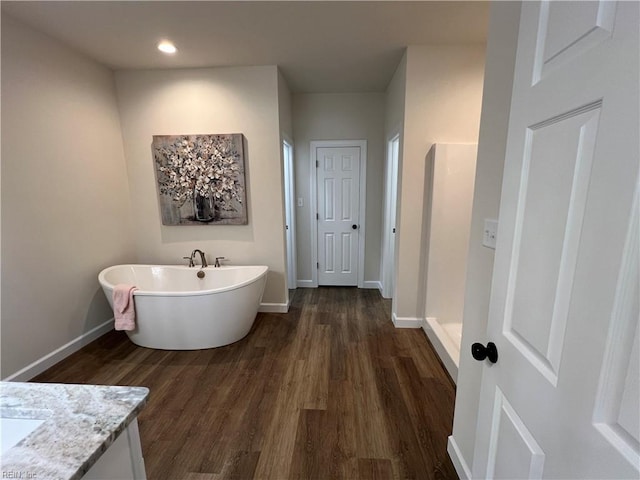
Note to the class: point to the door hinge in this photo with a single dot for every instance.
(317, 163)
(318, 265)
(317, 216)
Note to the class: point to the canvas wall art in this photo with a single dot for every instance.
(201, 179)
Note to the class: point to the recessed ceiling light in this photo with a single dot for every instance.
(167, 47)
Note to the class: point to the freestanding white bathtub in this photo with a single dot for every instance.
(177, 310)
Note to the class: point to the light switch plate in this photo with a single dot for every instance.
(300, 202)
(490, 233)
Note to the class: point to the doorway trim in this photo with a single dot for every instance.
(387, 264)
(314, 145)
(290, 211)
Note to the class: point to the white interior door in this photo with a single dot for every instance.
(338, 187)
(562, 401)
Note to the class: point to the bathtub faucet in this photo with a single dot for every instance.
(203, 260)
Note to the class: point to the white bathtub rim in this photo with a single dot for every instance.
(190, 293)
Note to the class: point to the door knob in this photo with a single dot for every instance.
(355, 227)
(480, 352)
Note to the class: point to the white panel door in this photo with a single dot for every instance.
(338, 178)
(562, 401)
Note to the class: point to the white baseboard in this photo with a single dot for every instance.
(462, 469)
(368, 284)
(372, 284)
(273, 308)
(49, 360)
(406, 322)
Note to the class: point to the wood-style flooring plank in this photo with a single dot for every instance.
(330, 390)
(374, 469)
(279, 442)
(315, 379)
(372, 438)
(342, 405)
(314, 446)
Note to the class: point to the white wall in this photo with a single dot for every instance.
(442, 104)
(285, 107)
(208, 101)
(65, 197)
(501, 50)
(450, 184)
(395, 101)
(348, 116)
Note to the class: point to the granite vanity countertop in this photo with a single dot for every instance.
(80, 423)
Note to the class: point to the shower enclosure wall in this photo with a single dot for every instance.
(449, 180)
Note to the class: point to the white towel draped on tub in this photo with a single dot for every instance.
(123, 307)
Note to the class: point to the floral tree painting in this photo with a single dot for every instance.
(200, 179)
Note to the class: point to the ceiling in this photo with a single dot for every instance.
(320, 46)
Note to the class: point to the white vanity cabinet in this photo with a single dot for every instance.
(122, 460)
(82, 431)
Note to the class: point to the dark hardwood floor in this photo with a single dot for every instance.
(329, 390)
